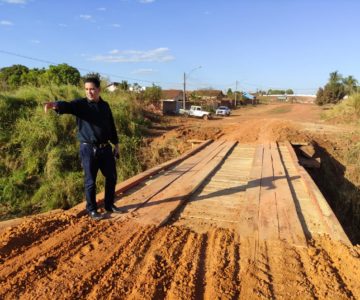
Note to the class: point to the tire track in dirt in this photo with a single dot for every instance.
(323, 274)
(124, 260)
(159, 265)
(65, 279)
(221, 266)
(288, 277)
(187, 280)
(16, 239)
(118, 274)
(120, 246)
(347, 262)
(42, 259)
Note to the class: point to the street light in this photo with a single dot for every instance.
(188, 74)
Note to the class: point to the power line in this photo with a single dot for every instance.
(83, 69)
(242, 84)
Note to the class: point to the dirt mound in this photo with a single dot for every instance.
(264, 130)
(172, 143)
(83, 259)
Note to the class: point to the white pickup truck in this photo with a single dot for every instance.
(196, 111)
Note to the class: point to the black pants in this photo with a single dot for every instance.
(94, 158)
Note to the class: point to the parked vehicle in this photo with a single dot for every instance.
(223, 111)
(196, 111)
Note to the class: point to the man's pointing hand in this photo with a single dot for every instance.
(49, 105)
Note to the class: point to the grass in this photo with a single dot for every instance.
(39, 163)
(347, 111)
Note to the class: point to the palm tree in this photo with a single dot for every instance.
(350, 84)
(335, 77)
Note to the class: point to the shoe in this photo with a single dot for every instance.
(95, 215)
(114, 209)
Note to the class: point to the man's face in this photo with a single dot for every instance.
(92, 92)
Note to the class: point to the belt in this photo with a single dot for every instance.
(97, 145)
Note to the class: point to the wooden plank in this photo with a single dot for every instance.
(327, 216)
(135, 180)
(249, 217)
(290, 228)
(125, 185)
(135, 200)
(268, 219)
(161, 207)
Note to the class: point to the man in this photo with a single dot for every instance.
(96, 128)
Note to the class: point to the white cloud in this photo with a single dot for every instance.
(146, 1)
(154, 55)
(15, 1)
(86, 17)
(116, 25)
(35, 41)
(6, 23)
(63, 25)
(143, 71)
(102, 8)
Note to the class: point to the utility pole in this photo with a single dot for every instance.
(184, 96)
(236, 93)
(184, 92)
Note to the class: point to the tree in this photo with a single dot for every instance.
(11, 76)
(136, 87)
(350, 84)
(333, 91)
(320, 97)
(229, 93)
(124, 85)
(335, 77)
(152, 94)
(276, 92)
(289, 92)
(63, 74)
(33, 77)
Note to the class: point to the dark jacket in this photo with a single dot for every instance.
(94, 120)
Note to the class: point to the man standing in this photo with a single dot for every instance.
(96, 128)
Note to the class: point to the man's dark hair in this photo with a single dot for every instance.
(93, 79)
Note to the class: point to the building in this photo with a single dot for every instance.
(112, 87)
(171, 101)
(213, 95)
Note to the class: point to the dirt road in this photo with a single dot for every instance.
(196, 253)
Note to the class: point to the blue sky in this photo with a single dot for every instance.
(261, 44)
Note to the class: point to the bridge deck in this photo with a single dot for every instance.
(260, 191)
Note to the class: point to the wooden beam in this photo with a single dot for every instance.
(326, 214)
(290, 228)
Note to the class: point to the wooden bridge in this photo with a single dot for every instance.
(260, 191)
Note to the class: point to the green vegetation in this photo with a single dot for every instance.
(39, 162)
(280, 92)
(336, 88)
(18, 75)
(347, 111)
